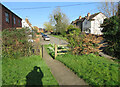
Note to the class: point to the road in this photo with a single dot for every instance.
(53, 40)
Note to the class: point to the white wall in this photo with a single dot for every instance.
(94, 25)
(25, 24)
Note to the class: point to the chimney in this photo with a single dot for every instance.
(80, 17)
(88, 15)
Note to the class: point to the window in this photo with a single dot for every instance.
(19, 22)
(14, 20)
(7, 17)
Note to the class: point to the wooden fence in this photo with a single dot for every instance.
(36, 51)
(60, 51)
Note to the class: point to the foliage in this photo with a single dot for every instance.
(95, 70)
(50, 49)
(35, 28)
(60, 21)
(48, 26)
(71, 28)
(15, 71)
(59, 36)
(15, 43)
(111, 31)
(81, 43)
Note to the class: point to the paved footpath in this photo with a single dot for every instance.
(61, 73)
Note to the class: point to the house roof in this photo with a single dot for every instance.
(10, 11)
(93, 15)
(89, 19)
(78, 20)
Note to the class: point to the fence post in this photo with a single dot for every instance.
(30, 51)
(55, 50)
(40, 50)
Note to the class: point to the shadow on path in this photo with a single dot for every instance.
(34, 77)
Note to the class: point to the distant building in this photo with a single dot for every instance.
(90, 23)
(41, 30)
(26, 25)
(8, 19)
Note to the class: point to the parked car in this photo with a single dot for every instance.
(46, 38)
(44, 35)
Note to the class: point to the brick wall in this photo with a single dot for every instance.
(11, 20)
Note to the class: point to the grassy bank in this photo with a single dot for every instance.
(59, 36)
(93, 69)
(28, 70)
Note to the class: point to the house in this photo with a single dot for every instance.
(41, 30)
(26, 24)
(8, 19)
(90, 23)
(78, 22)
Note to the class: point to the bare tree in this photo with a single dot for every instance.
(109, 8)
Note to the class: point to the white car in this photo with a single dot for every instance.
(46, 38)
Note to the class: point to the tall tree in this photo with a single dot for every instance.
(119, 9)
(60, 20)
(109, 7)
(48, 26)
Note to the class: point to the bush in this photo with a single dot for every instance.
(71, 28)
(15, 43)
(111, 31)
(81, 43)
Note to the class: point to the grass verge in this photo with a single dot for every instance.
(59, 36)
(95, 70)
(27, 70)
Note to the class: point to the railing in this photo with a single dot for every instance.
(60, 51)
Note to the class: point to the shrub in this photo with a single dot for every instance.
(81, 43)
(111, 31)
(15, 43)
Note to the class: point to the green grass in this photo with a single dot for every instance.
(59, 36)
(21, 72)
(95, 70)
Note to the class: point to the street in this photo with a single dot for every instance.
(53, 40)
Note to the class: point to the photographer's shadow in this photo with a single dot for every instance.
(34, 77)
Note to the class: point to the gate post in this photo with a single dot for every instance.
(40, 50)
(55, 50)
